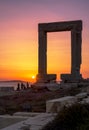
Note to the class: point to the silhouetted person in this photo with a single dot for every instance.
(18, 87)
(27, 85)
(23, 86)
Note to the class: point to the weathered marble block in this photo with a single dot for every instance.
(56, 105)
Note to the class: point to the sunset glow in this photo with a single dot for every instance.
(33, 77)
(19, 37)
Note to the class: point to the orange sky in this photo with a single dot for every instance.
(19, 37)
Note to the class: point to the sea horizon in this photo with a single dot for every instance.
(12, 83)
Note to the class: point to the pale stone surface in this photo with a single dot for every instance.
(32, 123)
(56, 105)
(14, 116)
(85, 100)
(39, 121)
(80, 96)
(26, 114)
(7, 121)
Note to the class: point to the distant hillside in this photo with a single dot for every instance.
(12, 81)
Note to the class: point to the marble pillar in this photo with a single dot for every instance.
(75, 52)
(42, 55)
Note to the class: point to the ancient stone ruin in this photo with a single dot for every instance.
(76, 41)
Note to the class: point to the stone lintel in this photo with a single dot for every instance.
(60, 26)
(46, 78)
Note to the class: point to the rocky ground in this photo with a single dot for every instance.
(31, 100)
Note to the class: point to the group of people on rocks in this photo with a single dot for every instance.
(22, 86)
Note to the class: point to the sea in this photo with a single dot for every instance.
(13, 83)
